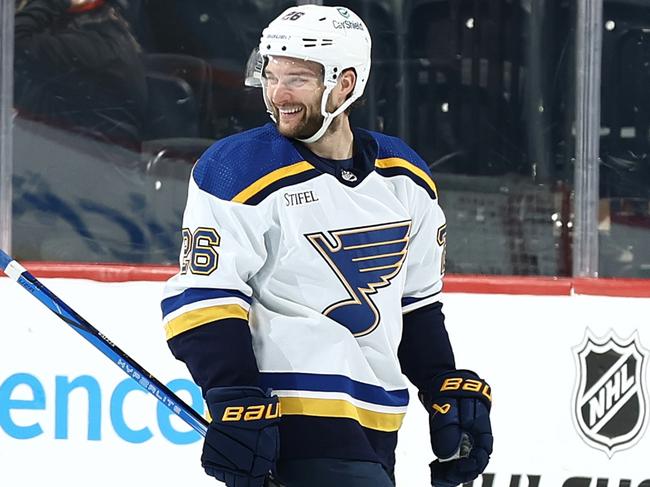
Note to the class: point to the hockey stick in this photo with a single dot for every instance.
(147, 381)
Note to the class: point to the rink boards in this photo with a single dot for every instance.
(567, 360)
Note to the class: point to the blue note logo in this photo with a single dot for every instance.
(364, 259)
(610, 398)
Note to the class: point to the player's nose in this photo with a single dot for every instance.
(280, 94)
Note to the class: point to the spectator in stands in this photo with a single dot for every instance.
(78, 67)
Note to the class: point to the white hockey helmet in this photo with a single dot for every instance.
(334, 37)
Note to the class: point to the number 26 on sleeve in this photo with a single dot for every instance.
(200, 254)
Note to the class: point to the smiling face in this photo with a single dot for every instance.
(294, 89)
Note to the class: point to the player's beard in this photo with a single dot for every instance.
(308, 125)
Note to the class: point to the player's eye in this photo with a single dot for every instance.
(296, 81)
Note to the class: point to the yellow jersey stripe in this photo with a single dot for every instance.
(399, 162)
(338, 408)
(271, 178)
(202, 316)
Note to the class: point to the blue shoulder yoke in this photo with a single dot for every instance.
(233, 164)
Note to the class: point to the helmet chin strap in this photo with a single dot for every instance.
(328, 117)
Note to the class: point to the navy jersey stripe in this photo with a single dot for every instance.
(335, 383)
(193, 295)
(409, 300)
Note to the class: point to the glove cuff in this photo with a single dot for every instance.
(243, 407)
(461, 383)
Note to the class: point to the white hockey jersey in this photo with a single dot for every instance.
(321, 265)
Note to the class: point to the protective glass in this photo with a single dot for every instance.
(254, 67)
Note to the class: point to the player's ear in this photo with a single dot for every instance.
(346, 82)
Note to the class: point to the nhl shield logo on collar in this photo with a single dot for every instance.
(348, 176)
(610, 401)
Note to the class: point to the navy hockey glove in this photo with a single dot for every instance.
(242, 442)
(458, 403)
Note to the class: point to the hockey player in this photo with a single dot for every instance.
(310, 273)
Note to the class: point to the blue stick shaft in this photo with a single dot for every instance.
(147, 381)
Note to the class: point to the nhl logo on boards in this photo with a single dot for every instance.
(610, 401)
